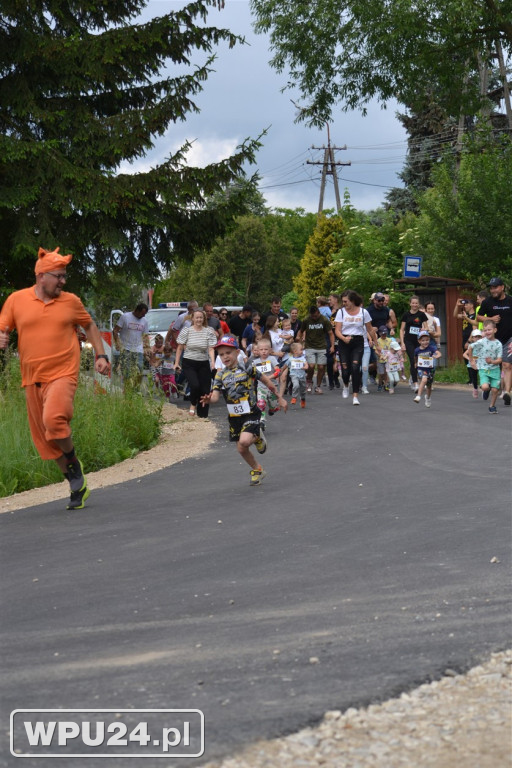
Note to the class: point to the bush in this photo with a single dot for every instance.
(107, 428)
(454, 373)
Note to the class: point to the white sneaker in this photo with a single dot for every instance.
(391, 391)
(355, 400)
(417, 399)
(365, 391)
(427, 401)
(345, 392)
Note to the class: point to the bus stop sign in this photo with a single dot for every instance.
(412, 266)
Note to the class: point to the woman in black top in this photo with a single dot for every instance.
(413, 322)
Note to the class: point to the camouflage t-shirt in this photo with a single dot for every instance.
(238, 384)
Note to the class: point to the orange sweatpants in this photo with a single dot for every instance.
(50, 410)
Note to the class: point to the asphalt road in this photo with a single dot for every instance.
(360, 568)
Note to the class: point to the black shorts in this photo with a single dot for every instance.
(249, 422)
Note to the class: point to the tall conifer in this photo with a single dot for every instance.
(84, 86)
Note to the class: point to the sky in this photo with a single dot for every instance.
(243, 97)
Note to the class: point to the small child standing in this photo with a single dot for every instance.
(156, 355)
(424, 356)
(161, 365)
(488, 353)
(298, 366)
(238, 385)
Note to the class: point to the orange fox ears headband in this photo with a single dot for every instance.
(49, 260)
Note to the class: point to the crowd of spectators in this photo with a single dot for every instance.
(349, 346)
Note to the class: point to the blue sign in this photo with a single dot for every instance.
(412, 266)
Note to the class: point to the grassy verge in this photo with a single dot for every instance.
(107, 428)
(455, 373)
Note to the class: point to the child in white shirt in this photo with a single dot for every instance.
(266, 363)
(298, 366)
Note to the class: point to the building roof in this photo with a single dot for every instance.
(429, 281)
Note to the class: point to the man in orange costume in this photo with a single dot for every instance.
(46, 318)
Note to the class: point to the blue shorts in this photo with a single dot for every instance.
(429, 373)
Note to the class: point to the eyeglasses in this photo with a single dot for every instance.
(223, 314)
(60, 278)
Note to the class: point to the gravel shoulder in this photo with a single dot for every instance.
(460, 721)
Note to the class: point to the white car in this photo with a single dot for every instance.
(160, 319)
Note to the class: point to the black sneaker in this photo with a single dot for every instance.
(75, 470)
(506, 398)
(486, 394)
(78, 498)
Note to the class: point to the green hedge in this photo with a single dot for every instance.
(107, 428)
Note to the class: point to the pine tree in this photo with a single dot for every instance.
(82, 90)
(431, 134)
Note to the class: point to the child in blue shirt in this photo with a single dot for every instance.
(424, 356)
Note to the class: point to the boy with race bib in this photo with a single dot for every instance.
(298, 366)
(266, 363)
(238, 385)
(424, 356)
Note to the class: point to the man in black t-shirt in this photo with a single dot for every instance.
(275, 309)
(379, 313)
(465, 310)
(498, 307)
(238, 323)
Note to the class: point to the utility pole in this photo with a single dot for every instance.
(328, 167)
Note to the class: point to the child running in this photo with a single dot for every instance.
(394, 362)
(237, 383)
(424, 356)
(266, 363)
(382, 349)
(298, 366)
(488, 353)
(475, 335)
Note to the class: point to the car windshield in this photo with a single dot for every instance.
(160, 319)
